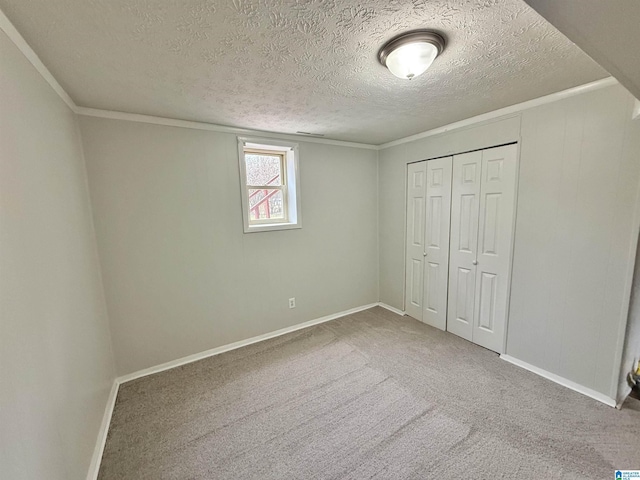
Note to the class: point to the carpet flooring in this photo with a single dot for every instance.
(369, 396)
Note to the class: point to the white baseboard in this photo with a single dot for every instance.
(576, 387)
(391, 309)
(111, 402)
(94, 467)
(242, 343)
(106, 420)
(622, 396)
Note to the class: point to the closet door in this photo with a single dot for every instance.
(465, 205)
(497, 209)
(436, 267)
(416, 191)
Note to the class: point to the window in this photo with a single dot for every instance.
(266, 185)
(270, 184)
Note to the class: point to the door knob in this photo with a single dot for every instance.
(424, 254)
(475, 262)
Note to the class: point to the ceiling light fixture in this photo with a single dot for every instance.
(410, 54)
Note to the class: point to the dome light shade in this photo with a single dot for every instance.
(410, 54)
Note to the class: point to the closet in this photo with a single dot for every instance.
(460, 222)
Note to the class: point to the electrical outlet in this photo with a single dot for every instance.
(292, 303)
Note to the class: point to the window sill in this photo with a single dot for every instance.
(269, 227)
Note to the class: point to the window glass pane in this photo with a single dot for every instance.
(263, 169)
(266, 204)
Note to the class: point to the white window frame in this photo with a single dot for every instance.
(291, 182)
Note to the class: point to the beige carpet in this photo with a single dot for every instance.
(371, 395)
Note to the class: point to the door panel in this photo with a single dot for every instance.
(497, 209)
(416, 190)
(467, 228)
(434, 234)
(438, 201)
(465, 204)
(431, 298)
(491, 224)
(464, 281)
(486, 311)
(416, 279)
(418, 221)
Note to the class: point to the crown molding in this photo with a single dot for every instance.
(507, 111)
(18, 40)
(495, 114)
(172, 122)
(7, 27)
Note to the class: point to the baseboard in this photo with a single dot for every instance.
(391, 309)
(622, 396)
(94, 467)
(106, 420)
(242, 343)
(576, 387)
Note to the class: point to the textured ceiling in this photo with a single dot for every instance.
(298, 65)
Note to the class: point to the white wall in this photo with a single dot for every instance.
(56, 365)
(576, 229)
(181, 276)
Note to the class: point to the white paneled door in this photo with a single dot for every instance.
(483, 207)
(495, 243)
(460, 222)
(465, 205)
(416, 192)
(436, 266)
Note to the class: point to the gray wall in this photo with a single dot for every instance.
(180, 275)
(56, 365)
(576, 236)
(631, 352)
(576, 229)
